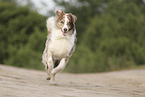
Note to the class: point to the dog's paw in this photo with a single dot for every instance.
(48, 78)
(53, 83)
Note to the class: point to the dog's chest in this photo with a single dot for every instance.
(61, 48)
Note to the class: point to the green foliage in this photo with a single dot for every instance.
(111, 35)
(82, 60)
(22, 36)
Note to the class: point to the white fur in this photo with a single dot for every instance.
(65, 23)
(60, 45)
(50, 23)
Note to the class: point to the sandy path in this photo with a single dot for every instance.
(16, 82)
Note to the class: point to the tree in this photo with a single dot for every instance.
(22, 36)
(112, 34)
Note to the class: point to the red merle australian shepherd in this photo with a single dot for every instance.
(60, 43)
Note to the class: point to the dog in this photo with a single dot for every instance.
(60, 43)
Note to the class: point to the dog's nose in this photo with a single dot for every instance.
(65, 29)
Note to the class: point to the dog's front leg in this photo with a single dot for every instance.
(59, 68)
(50, 65)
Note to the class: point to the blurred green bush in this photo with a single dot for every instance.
(22, 36)
(110, 35)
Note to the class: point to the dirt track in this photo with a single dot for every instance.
(16, 82)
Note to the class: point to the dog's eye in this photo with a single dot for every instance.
(69, 23)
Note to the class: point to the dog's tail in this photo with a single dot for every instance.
(50, 24)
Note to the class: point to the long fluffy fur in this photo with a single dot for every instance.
(59, 44)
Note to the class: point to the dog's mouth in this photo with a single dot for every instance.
(64, 33)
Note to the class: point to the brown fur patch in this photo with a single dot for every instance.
(60, 18)
(59, 14)
(71, 22)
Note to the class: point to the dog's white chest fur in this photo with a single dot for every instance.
(60, 45)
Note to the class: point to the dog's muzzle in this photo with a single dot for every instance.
(65, 31)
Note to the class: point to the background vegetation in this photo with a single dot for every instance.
(22, 36)
(110, 35)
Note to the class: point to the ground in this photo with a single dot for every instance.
(17, 82)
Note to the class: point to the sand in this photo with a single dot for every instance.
(18, 82)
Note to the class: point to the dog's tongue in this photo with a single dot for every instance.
(64, 33)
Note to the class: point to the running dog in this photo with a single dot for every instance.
(60, 43)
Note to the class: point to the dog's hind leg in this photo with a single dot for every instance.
(59, 68)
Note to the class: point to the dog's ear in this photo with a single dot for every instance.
(74, 18)
(60, 13)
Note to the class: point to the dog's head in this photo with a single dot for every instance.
(65, 22)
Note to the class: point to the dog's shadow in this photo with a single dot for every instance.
(76, 85)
